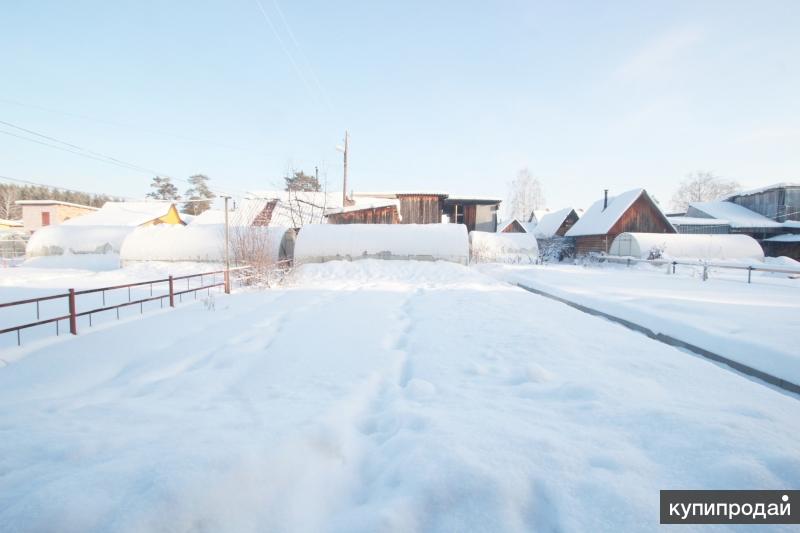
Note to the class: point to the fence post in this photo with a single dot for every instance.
(749, 271)
(171, 293)
(227, 276)
(705, 272)
(673, 266)
(73, 317)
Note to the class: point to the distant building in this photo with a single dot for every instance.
(10, 225)
(699, 225)
(515, 225)
(555, 223)
(631, 211)
(740, 219)
(420, 207)
(39, 213)
(779, 202)
(132, 214)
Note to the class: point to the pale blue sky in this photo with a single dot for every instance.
(436, 95)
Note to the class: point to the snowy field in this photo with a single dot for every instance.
(755, 324)
(376, 395)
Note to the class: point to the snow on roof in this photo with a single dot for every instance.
(747, 192)
(696, 221)
(122, 214)
(53, 202)
(548, 225)
(792, 224)
(597, 221)
(209, 216)
(735, 214)
(365, 202)
(527, 226)
(395, 194)
(473, 198)
(786, 237)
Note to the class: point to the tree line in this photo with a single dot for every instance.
(10, 193)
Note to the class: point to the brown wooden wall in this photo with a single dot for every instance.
(642, 217)
(421, 208)
(373, 215)
(569, 221)
(514, 227)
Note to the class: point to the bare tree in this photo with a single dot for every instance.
(9, 210)
(702, 186)
(524, 195)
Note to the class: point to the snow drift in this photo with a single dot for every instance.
(65, 240)
(203, 242)
(674, 245)
(317, 243)
(502, 247)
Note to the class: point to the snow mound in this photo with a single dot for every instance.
(488, 247)
(687, 246)
(318, 243)
(65, 239)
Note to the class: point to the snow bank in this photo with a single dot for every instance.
(502, 247)
(317, 243)
(66, 239)
(203, 242)
(674, 245)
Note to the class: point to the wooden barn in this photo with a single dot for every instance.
(366, 211)
(631, 211)
(555, 223)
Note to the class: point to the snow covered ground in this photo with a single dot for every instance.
(376, 395)
(755, 324)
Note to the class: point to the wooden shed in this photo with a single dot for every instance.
(631, 211)
(478, 214)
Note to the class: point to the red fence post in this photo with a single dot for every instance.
(171, 293)
(73, 317)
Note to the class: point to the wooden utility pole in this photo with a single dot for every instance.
(227, 257)
(344, 187)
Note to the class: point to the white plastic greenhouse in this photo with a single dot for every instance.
(317, 243)
(689, 246)
(65, 239)
(205, 243)
(502, 247)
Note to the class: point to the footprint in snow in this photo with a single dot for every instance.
(419, 389)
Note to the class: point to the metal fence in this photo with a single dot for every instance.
(705, 265)
(171, 289)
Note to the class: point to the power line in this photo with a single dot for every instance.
(91, 154)
(130, 126)
(287, 52)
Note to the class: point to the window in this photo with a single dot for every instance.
(45, 218)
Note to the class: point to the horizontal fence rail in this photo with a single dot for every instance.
(705, 265)
(207, 281)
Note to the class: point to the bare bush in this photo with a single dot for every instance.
(257, 248)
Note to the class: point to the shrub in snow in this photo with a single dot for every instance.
(317, 243)
(64, 240)
(488, 247)
(556, 248)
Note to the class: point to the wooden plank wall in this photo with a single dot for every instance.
(421, 208)
(374, 215)
(642, 217)
(569, 221)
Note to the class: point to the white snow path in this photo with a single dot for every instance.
(375, 395)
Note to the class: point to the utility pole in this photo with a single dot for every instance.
(344, 188)
(227, 256)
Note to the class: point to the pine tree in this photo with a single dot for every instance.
(163, 189)
(199, 195)
(300, 181)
